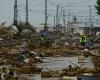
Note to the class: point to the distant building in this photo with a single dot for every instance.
(74, 27)
(95, 30)
(39, 28)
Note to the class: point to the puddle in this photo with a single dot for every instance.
(59, 63)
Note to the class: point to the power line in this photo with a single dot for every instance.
(32, 10)
(52, 3)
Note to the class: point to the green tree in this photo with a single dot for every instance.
(97, 6)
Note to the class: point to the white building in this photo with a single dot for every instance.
(74, 28)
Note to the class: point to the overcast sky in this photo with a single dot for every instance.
(36, 17)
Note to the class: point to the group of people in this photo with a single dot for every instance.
(86, 41)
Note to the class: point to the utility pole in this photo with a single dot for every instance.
(26, 20)
(89, 16)
(15, 13)
(54, 21)
(46, 17)
(68, 26)
(57, 17)
(91, 35)
(64, 22)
